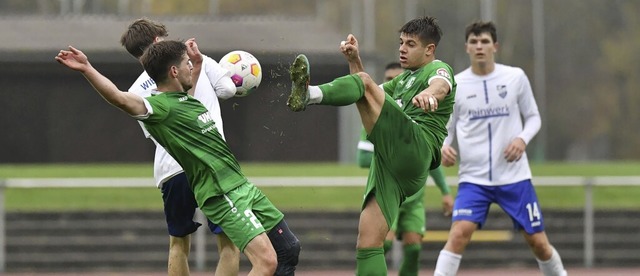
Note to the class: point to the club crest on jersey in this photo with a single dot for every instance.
(443, 72)
(502, 90)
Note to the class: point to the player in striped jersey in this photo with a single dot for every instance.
(491, 102)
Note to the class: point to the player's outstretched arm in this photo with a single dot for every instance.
(196, 60)
(428, 99)
(219, 78)
(78, 61)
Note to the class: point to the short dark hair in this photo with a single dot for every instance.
(159, 57)
(426, 28)
(140, 34)
(479, 27)
(393, 65)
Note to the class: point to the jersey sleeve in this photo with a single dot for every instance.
(528, 109)
(390, 86)
(442, 71)
(219, 78)
(142, 87)
(157, 109)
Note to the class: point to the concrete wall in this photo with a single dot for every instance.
(51, 114)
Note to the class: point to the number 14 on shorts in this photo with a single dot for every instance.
(534, 213)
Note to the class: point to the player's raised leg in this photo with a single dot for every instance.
(356, 88)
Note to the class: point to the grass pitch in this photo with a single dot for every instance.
(287, 198)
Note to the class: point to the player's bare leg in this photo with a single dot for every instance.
(450, 256)
(460, 236)
(371, 104)
(229, 260)
(548, 258)
(178, 263)
(262, 256)
(372, 230)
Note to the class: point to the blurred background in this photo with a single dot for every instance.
(580, 56)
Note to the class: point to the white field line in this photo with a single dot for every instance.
(354, 181)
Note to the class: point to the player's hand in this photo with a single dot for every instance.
(449, 155)
(515, 150)
(349, 48)
(74, 59)
(426, 101)
(193, 52)
(447, 205)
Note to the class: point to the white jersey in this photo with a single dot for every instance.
(488, 114)
(164, 166)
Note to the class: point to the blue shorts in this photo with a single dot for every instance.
(180, 206)
(518, 200)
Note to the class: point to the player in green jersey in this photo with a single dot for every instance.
(409, 226)
(405, 119)
(185, 128)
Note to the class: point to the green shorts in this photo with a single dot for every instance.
(411, 218)
(403, 154)
(243, 213)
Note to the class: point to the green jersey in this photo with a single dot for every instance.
(185, 128)
(410, 83)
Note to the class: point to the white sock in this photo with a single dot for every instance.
(552, 266)
(315, 95)
(447, 264)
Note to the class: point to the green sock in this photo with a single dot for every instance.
(410, 262)
(387, 245)
(371, 262)
(342, 91)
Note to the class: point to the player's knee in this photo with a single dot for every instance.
(180, 245)
(365, 77)
(287, 247)
(459, 237)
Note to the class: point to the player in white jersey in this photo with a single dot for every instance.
(491, 102)
(179, 200)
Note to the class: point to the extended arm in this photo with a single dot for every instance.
(219, 79)
(428, 99)
(78, 61)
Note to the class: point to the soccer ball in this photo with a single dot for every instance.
(245, 69)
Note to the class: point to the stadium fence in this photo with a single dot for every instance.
(586, 182)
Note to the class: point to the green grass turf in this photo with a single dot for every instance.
(286, 198)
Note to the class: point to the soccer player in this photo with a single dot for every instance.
(409, 226)
(185, 128)
(405, 120)
(179, 201)
(492, 99)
